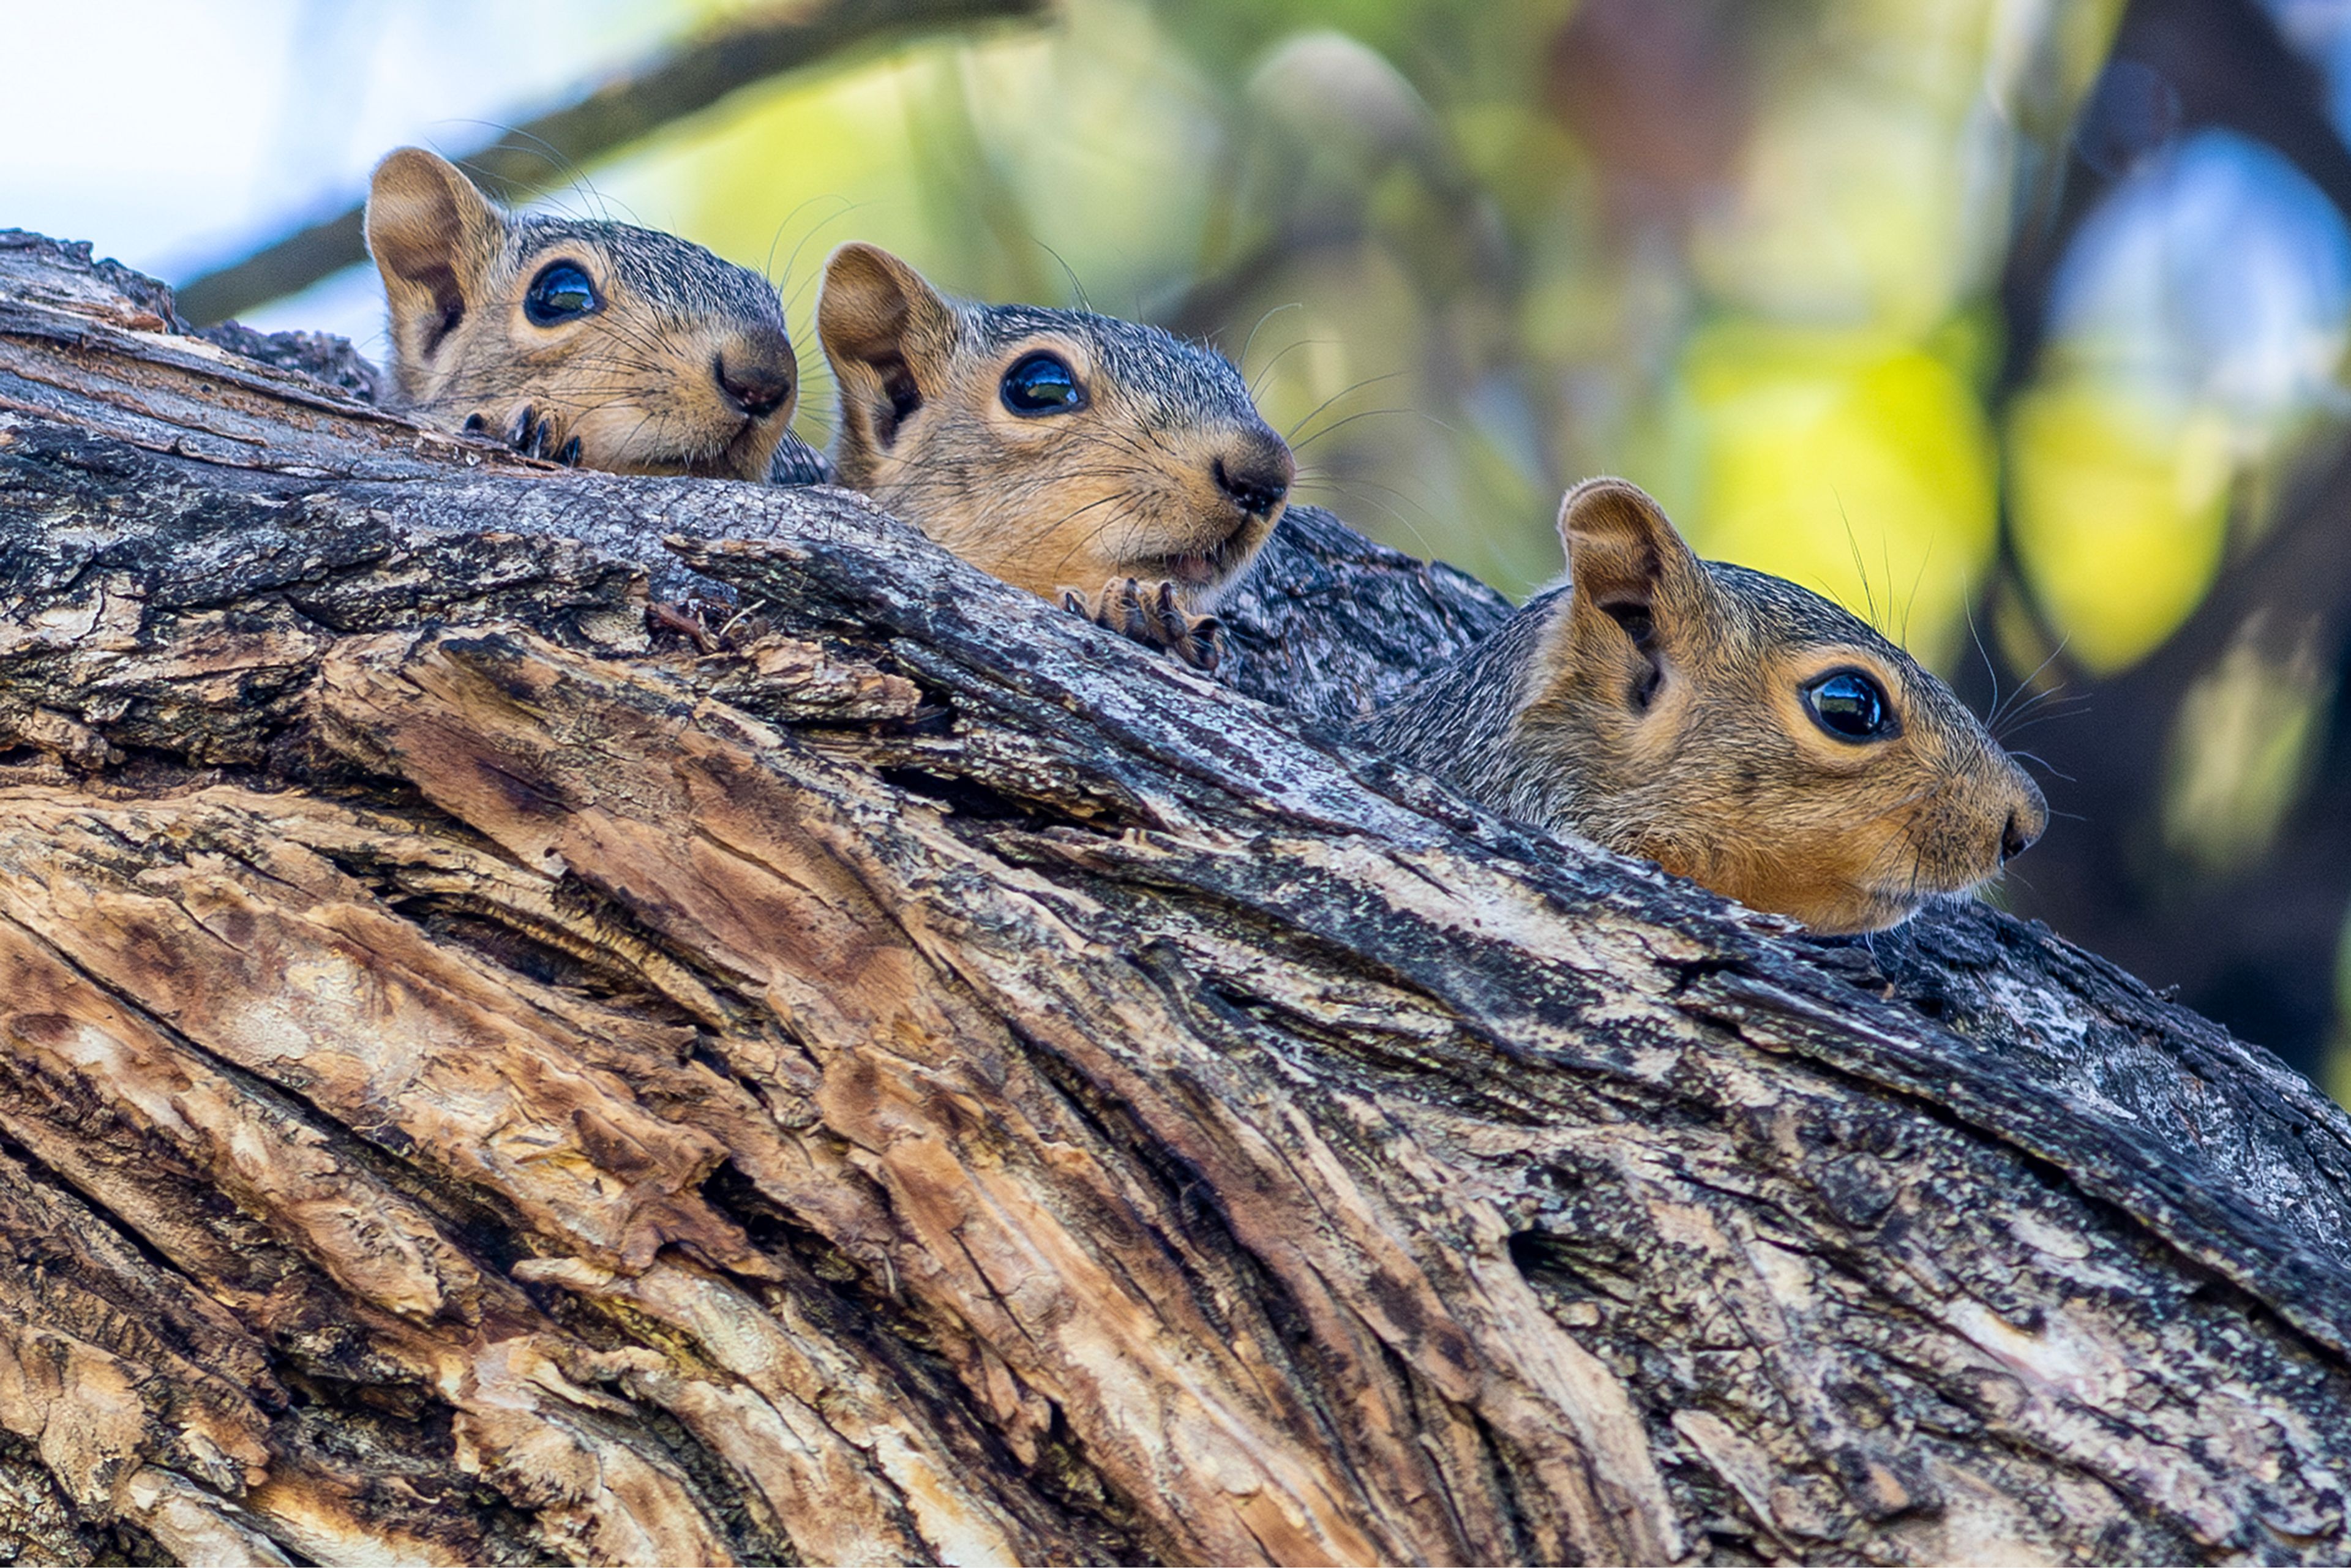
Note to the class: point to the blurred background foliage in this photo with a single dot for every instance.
(2016, 325)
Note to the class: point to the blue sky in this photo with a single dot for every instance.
(229, 121)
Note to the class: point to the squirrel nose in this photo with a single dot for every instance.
(2026, 823)
(1258, 477)
(758, 382)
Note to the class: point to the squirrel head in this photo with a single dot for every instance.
(651, 353)
(1053, 448)
(1754, 737)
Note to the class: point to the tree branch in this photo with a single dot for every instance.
(547, 151)
(935, 1081)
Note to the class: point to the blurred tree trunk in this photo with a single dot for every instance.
(2256, 945)
(927, 1081)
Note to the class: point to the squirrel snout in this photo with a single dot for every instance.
(759, 378)
(2026, 822)
(1256, 477)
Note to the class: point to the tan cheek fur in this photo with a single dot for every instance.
(634, 389)
(1727, 780)
(1854, 846)
(1054, 503)
(1818, 864)
(1041, 509)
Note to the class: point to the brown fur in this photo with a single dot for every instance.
(679, 372)
(1139, 483)
(1655, 706)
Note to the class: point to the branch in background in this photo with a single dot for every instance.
(543, 151)
(2255, 949)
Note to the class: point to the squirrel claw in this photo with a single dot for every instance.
(534, 435)
(1150, 616)
(1199, 646)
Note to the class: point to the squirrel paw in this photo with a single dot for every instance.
(532, 433)
(798, 462)
(1149, 615)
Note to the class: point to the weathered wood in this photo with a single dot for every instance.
(481, 1080)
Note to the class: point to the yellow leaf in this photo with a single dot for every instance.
(1852, 462)
(2120, 510)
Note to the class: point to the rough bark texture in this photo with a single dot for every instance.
(483, 1083)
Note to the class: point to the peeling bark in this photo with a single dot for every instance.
(482, 1080)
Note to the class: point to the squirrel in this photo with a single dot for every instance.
(1053, 447)
(1730, 725)
(596, 344)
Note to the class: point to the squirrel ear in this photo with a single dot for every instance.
(1623, 552)
(889, 334)
(1625, 562)
(434, 237)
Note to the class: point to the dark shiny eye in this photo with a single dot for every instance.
(1852, 706)
(560, 292)
(1042, 383)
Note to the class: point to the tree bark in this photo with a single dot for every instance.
(483, 1080)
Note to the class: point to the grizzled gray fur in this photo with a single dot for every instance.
(1458, 723)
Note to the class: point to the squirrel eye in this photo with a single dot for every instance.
(1041, 383)
(1851, 706)
(560, 292)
